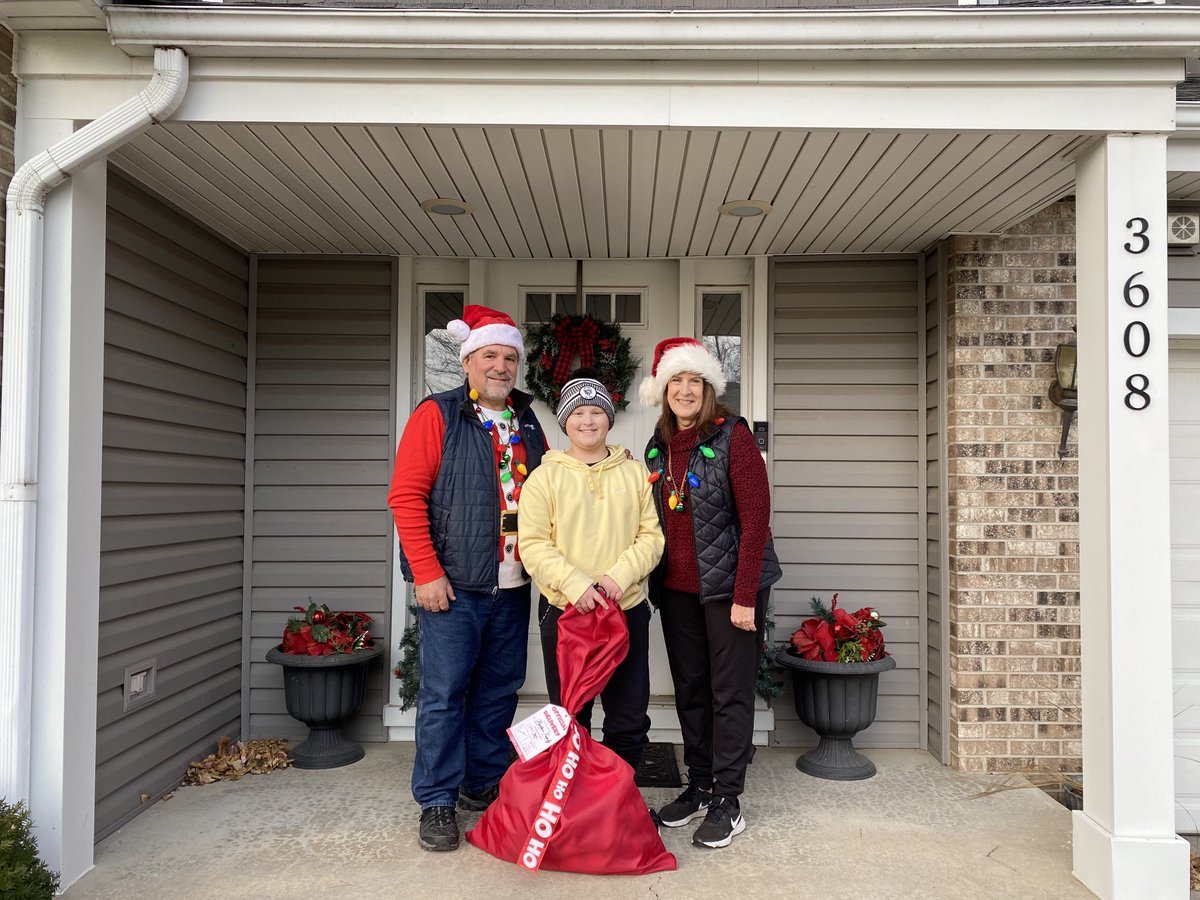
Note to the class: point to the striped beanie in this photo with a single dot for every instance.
(583, 388)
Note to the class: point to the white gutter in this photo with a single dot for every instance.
(883, 33)
(19, 415)
(1187, 117)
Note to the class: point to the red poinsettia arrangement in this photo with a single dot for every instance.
(834, 635)
(322, 632)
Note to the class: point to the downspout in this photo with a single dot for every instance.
(19, 414)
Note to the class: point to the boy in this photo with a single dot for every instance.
(589, 535)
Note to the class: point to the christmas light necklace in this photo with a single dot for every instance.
(678, 498)
(507, 470)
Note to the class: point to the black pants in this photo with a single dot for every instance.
(626, 697)
(714, 667)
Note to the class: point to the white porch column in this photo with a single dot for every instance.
(1124, 839)
(63, 733)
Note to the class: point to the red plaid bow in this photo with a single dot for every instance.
(576, 334)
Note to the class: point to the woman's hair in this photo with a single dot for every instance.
(710, 410)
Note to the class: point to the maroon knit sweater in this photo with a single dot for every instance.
(748, 475)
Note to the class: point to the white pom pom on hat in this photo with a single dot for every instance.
(481, 326)
(673, 356)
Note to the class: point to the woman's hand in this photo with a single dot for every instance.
(589, 599)
(742, 617)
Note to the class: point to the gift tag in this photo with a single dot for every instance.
(540, 731)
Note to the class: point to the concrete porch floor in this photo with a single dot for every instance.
(911, 831)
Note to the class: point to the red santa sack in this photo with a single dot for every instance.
(574, 807)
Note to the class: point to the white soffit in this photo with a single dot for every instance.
(593, 193)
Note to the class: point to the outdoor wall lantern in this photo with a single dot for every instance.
(1062, 391)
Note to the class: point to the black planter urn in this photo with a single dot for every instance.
(323, 692)
(836, 700)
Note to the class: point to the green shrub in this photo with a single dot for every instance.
(23, 875)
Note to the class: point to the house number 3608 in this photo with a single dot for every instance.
(1137, 334)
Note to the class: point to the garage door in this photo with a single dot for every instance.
(1185, 581)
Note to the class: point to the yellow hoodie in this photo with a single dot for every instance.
(579, 522)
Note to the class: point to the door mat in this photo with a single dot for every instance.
(658, 768)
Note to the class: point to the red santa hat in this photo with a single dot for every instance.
(481, 326)
(676, 355)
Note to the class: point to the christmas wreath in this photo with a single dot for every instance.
(553, 347)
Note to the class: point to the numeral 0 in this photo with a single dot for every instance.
(1142, 227)
(1137, 332)
(1130, 288)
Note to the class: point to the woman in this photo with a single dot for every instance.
(589, 536)
(713, 582)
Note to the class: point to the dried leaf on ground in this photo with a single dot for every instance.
(1195, 872)
(233, 759)
(1051, 782)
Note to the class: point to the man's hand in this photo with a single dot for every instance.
(610, 587)
(742, 617)
(588, 599)
(435, 596)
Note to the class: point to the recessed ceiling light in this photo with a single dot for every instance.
(745, 208)
(447, 206)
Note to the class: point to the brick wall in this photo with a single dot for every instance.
(1013, 507)
(8, 119)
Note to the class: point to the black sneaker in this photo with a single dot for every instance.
(439, 828)
(655, 819)
(473, 801)
(723, 821)
(693, 802)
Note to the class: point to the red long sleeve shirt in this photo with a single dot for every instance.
(751, 496)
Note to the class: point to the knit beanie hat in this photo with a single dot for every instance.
(676, 355)
(481, 326)
(583, 388)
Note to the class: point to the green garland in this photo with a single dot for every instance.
(765, 684)
(614, 361)
(408, 671)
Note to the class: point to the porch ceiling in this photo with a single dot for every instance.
(594, 193)
(1183, 188)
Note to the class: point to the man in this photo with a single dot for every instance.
(459, 469)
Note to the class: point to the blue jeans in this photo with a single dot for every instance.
(473, 660)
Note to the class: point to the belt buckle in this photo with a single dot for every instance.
(508, 521)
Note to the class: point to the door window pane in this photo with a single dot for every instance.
(722, 337)
(629, 309)
(537, 308)
(567, 304)
(443, 370)
(599, 306)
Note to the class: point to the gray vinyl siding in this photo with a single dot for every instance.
(1183, 272)
(322, 449)
(172, 500)
(848, 419)
(936, 606)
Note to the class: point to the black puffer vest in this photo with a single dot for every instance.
(464, 504)
(716, 529)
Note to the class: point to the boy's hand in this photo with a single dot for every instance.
(589, 599)
(611, 588)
